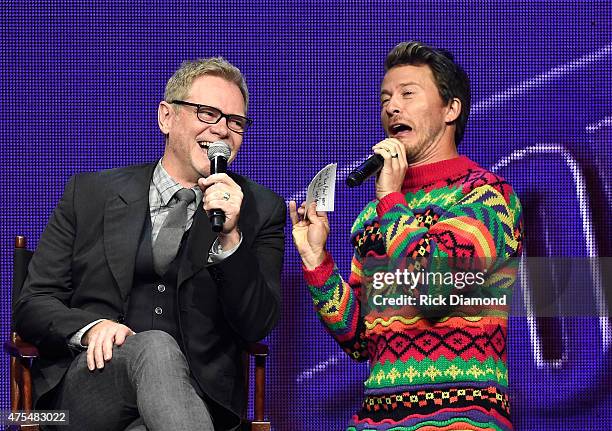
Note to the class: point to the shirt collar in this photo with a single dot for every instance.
(168, 186)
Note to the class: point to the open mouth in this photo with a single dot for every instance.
(398, 128)
(204, 144)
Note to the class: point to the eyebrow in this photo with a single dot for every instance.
(403, 84)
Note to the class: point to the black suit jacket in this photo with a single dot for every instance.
(83, 267)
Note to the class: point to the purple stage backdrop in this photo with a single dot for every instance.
(80, 85)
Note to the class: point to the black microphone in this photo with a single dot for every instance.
(218, 153)
(365, 170)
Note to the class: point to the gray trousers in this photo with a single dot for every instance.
(145, 386)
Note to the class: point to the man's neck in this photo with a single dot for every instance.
(436, 153)
(174, 174)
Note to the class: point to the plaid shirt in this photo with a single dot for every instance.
(162, 189)
(161, 192)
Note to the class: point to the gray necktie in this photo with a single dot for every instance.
(170, 234)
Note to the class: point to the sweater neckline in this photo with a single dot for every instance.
(419, 176)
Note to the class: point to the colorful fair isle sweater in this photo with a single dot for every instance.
(431, 368)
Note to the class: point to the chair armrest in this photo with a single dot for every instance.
(18, 348)
(259, 351)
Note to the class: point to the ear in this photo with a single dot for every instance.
(165, 114)
(454, 109)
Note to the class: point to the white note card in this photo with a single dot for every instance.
(322, 188)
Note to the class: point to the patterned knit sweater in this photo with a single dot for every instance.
(431, 368)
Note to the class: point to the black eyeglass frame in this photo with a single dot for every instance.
(228, 117)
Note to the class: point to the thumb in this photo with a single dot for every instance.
(311, 213)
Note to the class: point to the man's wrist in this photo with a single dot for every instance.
(230, 240)
(311, 262)
(319, 275)
(81, 338)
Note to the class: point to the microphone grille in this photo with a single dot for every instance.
(218, 149)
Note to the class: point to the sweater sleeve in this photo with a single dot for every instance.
(338, 305)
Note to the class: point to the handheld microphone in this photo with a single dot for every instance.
(365, 170)
(218, 154)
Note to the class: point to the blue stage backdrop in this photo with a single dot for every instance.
(80, 85)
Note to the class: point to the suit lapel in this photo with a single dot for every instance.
(248, 215)
(124, 216)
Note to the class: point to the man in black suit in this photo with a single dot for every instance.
(127, 339)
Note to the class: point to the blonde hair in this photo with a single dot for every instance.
(179, 84)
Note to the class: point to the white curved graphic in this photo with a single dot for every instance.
(591, 249)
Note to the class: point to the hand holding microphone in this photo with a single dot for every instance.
(218, 155)
(390, 160)
(222, 196)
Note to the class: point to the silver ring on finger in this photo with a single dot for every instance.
(226, 196)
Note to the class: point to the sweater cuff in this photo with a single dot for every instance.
(318, 276)
(389, 201)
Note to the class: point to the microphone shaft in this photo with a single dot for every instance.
(218, 165)
(368, 168)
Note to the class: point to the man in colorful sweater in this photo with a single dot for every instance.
(434, 365)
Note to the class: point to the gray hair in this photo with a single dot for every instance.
(179, 84)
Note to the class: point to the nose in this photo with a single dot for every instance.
(393, 107)
(220, 128)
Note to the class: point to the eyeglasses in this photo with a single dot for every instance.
(211, 115)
